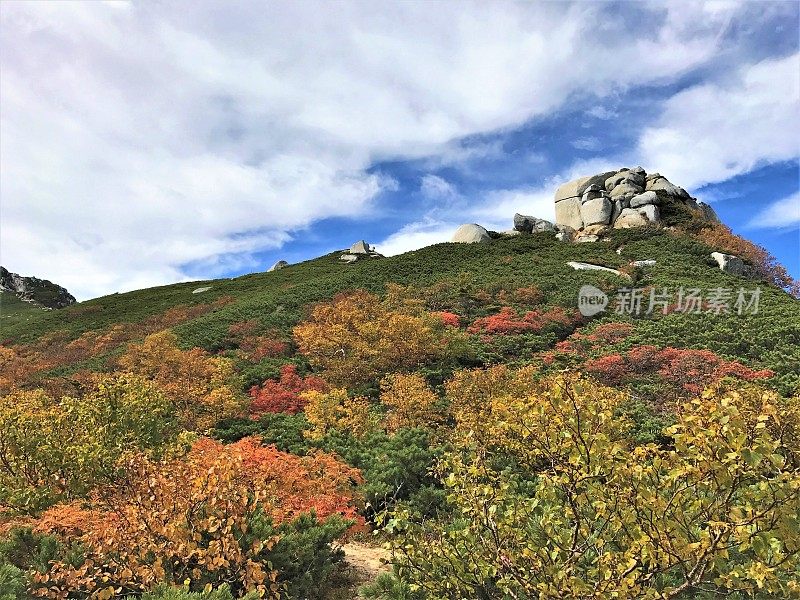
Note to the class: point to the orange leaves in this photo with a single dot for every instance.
(284, 395)
(356, 338)
(198, 383)
(204, 518)
(508, 322)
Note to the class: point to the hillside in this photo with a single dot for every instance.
(394, 391)
(29, 295)
(279, 300)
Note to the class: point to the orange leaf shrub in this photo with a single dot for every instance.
(205, 519)
(201, 386)
(356, 338)
(721, 237)
(508, 322)
(285, 394)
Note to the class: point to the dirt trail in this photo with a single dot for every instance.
(368, 561)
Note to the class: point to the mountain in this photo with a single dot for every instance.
(551, 383)
(37, 293)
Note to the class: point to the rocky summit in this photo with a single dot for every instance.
(588, 207)
(39, 292)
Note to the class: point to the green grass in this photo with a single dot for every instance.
(280, 299)
(15, 311)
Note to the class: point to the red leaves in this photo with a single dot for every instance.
(283, 395)
(686, 370)
(448, 318)
(508, 322)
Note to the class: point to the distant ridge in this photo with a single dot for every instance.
(39, 292)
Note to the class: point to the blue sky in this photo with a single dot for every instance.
(149, 143)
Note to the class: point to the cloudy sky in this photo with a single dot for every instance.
(144, 143)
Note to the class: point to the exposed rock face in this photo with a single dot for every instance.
(34, 290)
(568, 212)
(630, 217)
(621, 199)
(526, 224)
(596, 211)
(471, 233)
(582, 266)
(360, 247)
(358, 251)
(730, 263)
(278, 266)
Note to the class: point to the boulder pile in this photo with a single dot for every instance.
(588, 207)
(358, 251)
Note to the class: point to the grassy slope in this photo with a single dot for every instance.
(14, 311)
(280, 299)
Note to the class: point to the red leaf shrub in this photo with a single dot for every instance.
(508, 322)
(283, 395)
(684, 370)
(448, 318)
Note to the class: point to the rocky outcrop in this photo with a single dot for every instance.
(621, 199)
(37, 291)
(278, 266)
(358, 251)
(471, 233)
(526, 224)
(730, 263)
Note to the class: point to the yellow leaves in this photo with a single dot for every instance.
(356, 338)
(410, 401)
(336, 410)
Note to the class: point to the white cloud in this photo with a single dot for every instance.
(714, 131)
(781, 214)
(437, 188)
(417, 235)
(141, 137)
(587, 143)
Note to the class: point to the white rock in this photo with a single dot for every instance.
(576, 187)
(582, 266)
(278, 266)
(568, 212)
(360, 247)
(730, 263)
(597, 211)
(583, 238)
(643, 263)
(471, 233)
(592, 192)
(633, 177)
(626, 187)
(200, 290)
(651, 212)
(564, 233)
(348, 258)
(645, 198)
(512, 232)
(628, 218)
(662, 183)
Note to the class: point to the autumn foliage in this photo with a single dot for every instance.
(411, 403)
(59, 449)
(201, 520)
(202, 386)
(284, 395)
(721, 238)
(685, 371)
(559, 505)
(508, 321)
(356, 338)
(336, 410)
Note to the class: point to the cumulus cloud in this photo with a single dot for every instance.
(781, 214)
(714, 131)
(139, 138)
